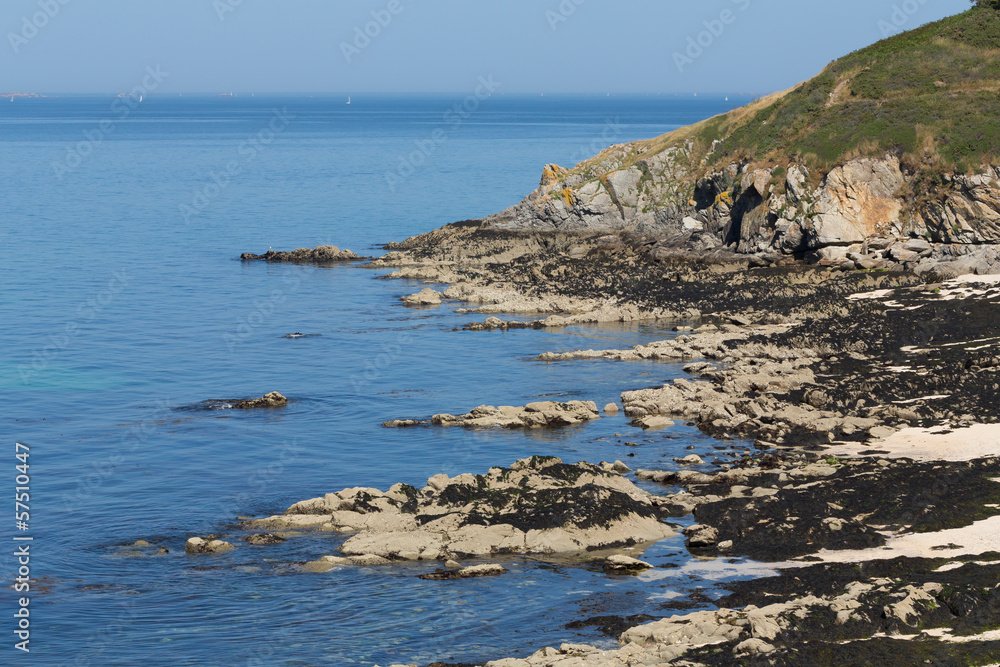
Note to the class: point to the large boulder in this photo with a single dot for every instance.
(858, 200)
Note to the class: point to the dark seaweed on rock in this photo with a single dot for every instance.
(927, 497)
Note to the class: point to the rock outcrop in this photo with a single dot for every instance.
(534, 415)
(619, 564)
(272, 400)
(324, 254)
(198, 545)
(425, 297)
(537, 506)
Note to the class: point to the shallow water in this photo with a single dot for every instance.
(121, 318)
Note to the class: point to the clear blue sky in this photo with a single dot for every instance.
(438, 45)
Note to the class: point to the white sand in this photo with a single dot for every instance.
(717, 569)
(971, 278)
(980, 537)
(962, 287)
(936, 397)
(935, 444)
(877, 294)
(945, 636)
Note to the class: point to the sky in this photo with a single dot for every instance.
(413, 46)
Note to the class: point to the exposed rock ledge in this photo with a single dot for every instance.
(534, 415)
(324, 254)
(537, 506)
(499, 297)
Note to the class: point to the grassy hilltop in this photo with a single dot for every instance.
(930, 95)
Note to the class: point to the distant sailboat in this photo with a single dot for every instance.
(727, 99)
(140, 98)
(348, 99)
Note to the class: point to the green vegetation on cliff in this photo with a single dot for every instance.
(930, 95)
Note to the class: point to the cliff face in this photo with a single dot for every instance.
(876, 152)
(866, 202)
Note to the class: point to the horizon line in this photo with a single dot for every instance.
(227, 94)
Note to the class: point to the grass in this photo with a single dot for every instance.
(930, 95)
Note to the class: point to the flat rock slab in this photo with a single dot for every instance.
(537, 506)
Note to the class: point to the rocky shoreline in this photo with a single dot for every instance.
(869, 396)
(833, 372)
(831, 284)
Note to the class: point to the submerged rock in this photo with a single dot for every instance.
(272, 400)
(537, 506)
(324, 254)
(263, 539)
(471, 572)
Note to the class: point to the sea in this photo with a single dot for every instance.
(125, 312)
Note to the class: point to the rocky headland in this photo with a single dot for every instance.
(828, 257)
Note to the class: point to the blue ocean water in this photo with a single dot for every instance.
(123, 305)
